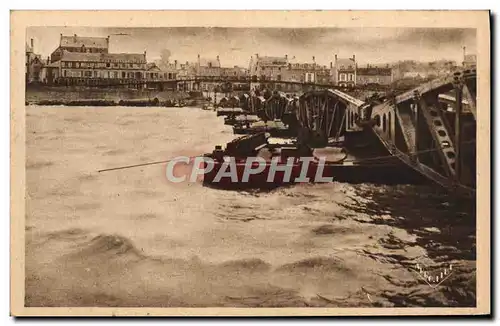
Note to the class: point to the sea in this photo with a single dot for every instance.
(131, 238)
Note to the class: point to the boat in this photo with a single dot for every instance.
(208, 107)
(223, 111)
(275, 128)
(240, 119)
(304, 164)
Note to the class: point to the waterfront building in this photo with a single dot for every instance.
(238, 77)
(77, 68)
(187, 71)
(80, 44)
(262, 68)
(208, 68)
(373, 75)
(305, 72)
(344, 71)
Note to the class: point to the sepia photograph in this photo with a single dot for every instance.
(248, 165)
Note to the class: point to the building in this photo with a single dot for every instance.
(80, 44)
(372, 75)
(238, 76)
(187, 71)
(33, 65)
(305, 72)
(344, 71)
(262, 68)
(208, 68)
(77, 68)
(469, 61)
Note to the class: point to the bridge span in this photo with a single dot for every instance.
(431, 128)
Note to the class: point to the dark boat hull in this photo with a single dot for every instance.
(339, 172)
(273, 132)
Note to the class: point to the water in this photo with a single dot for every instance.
(130, 238)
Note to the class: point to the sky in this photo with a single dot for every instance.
(235, 46)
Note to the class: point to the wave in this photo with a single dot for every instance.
(314, 264)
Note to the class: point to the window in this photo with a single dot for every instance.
(123, 74)
(351, 77)
(131, 65)
(108, 65)
(65, 73)
(343, 77)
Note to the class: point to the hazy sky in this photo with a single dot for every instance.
(236, 45)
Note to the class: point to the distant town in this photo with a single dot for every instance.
(86, 61)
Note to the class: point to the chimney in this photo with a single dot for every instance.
(314, 59)
(107, 40)
(175, 64)
(257, 55)
(198, 56)
(331, 64)
(286, 56)
(335, 56)
(48, 59)
(218, 58)
(354, 57)
(74, 37)
(32, 47)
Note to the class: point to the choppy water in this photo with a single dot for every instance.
(129, 238)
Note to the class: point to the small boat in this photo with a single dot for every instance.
(222, 111)
(275, 128)
(208, 107)
(239, 120)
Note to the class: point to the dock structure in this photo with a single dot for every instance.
(431, 128)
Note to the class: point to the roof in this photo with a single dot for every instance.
(345, 62)
(79, 41)
(53, 64)
(272, 61)
(106, 57)
(205, 63)
(152, 66)
(374, 71)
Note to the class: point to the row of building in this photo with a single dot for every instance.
(81, 60)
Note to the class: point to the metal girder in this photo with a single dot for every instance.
(471, 100)
(439, 85)
(441, 135)
(427, 171)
